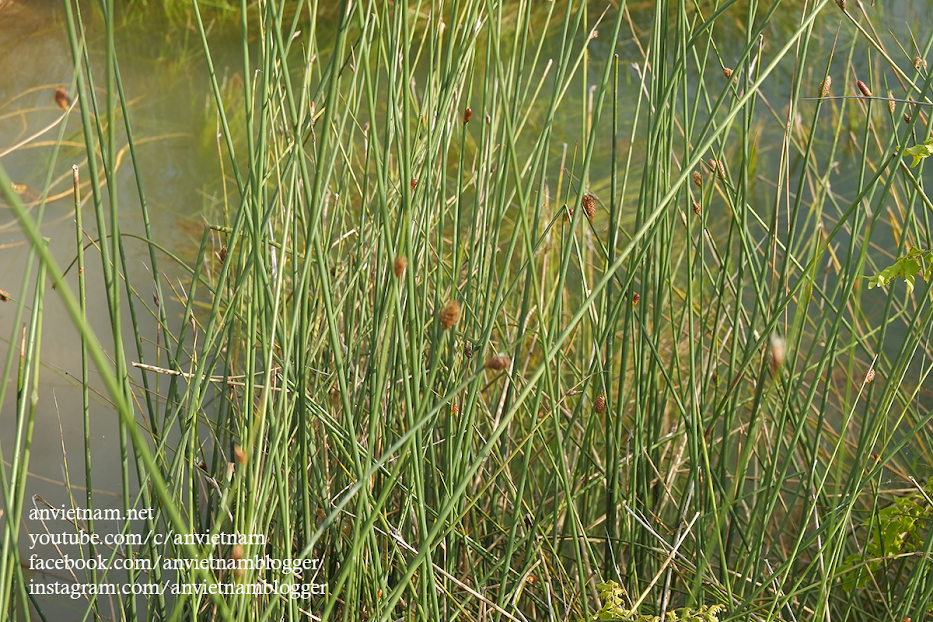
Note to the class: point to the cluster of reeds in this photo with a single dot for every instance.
(480, 345)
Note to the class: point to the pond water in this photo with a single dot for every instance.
(174, 125)
(168, 109)
(167, 112)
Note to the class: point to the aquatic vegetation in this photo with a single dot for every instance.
(491, 300)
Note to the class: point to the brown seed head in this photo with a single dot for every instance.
(498, 362)
(450, 314)
(236, 555)
(635, 298)
(468, 349)
(696, 208)
(727, 72)
(467, 115)
(863, 88)
(5, 296)
(400, 265)
(568, 213)
(61, 98)
(825, 85)
(697, 179)
(891, 103)
(223, 253)
(869, 375)
(919, 62)
(589, 206)
(717, 167)
(311, 111)
(599, 405)
(906, 118)
(240, 455)
(841, 4)
(414, 182)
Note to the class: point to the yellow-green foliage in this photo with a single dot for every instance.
(895, 529)
(917, 262)
(613, 597)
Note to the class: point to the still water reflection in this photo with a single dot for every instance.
(167, 103)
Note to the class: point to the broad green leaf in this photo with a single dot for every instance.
(919, 152)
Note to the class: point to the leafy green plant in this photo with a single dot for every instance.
(920, 152)
(613, 597)
(917, 262)
(895, 529)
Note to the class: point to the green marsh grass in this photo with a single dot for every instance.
(594, 330)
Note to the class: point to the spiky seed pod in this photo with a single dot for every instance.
(240, 455)
(400, 265)
(825, 85)
(468, 349)
(61, 98)
(869, 375)
(919, 62)
(863, 88)
(467, 115)
(776, 356)
(498, 362)
(696, 208)
(450, 314)
(697, 179)
(727, 72)
(599, 404)
(891, 103)
(635, 298)
(589, 206)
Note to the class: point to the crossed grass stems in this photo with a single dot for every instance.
(682, 405)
